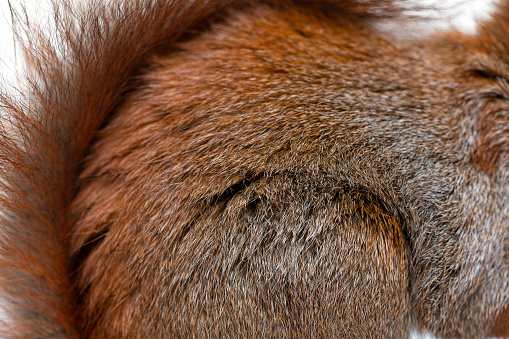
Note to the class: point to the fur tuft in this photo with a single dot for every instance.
(75, 81)
(212, 168)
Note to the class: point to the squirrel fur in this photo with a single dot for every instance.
(283, 169)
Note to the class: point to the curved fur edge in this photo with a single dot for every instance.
(75, 78)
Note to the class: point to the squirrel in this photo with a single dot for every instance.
(265, 169)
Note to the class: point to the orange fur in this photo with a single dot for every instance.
(245, 169)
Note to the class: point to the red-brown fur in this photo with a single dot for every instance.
(256, 169)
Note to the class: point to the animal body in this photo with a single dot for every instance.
(282, 169)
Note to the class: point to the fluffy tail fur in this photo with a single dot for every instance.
(82, 73)
(76, 78)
